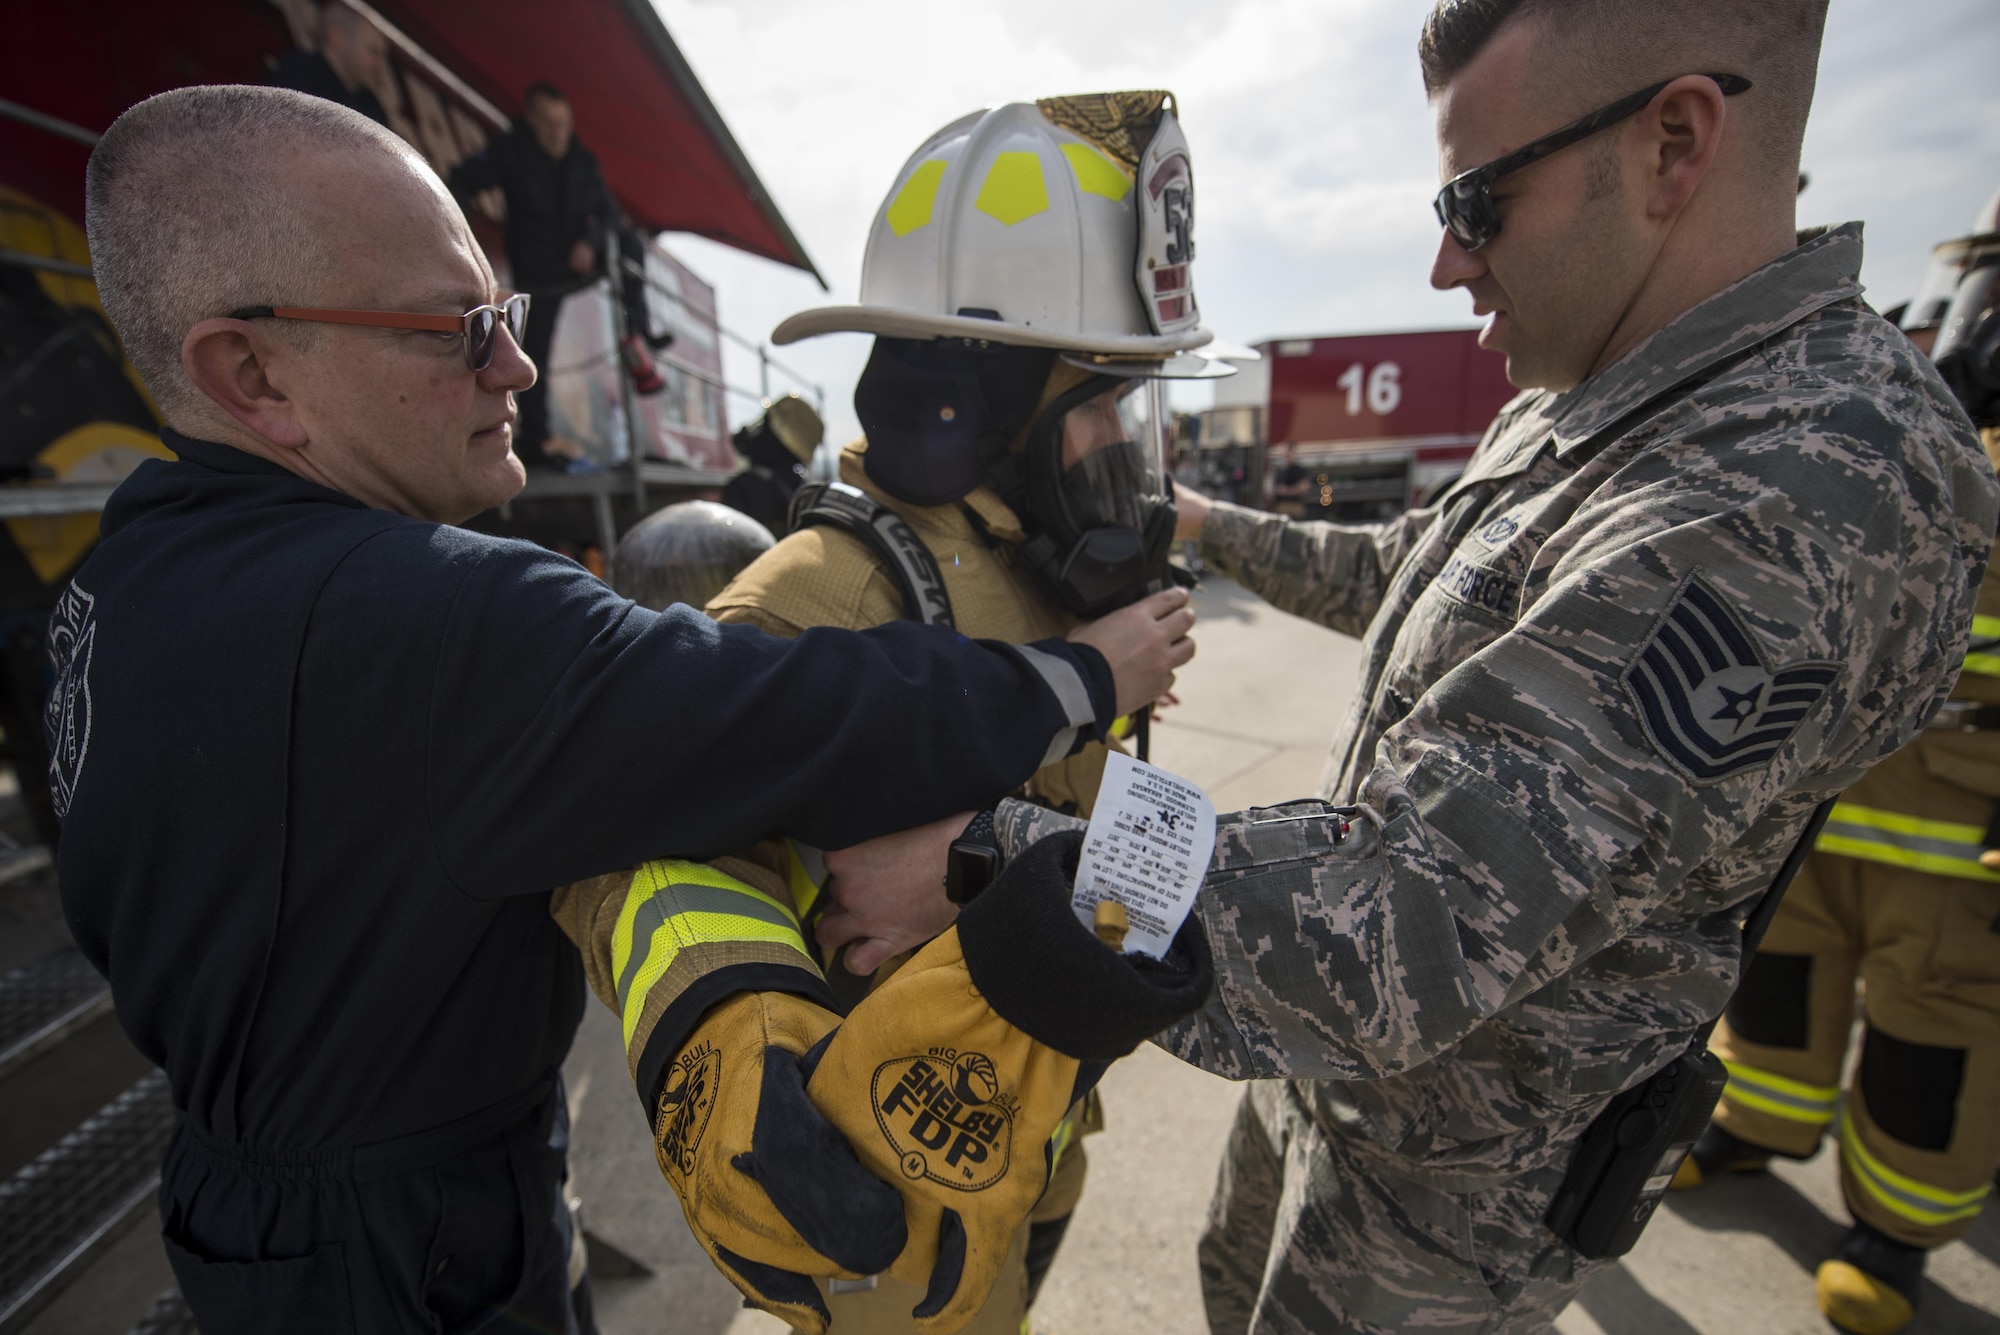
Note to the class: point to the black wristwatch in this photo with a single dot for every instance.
(974, 860)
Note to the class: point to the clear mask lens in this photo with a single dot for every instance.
(1114, 456)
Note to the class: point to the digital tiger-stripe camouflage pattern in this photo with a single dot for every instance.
(1551, 831)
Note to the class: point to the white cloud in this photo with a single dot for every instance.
(1311, 139)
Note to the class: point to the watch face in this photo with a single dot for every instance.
(969, 869)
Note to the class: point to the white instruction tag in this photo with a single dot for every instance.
(1151, 836)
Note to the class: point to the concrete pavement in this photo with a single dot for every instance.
(1261, 702)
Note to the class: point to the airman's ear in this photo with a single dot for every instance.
(229, 361)
(1682, 130)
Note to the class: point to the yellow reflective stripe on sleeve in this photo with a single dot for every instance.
(1065, 1133)
(1915, 1201)
(1979, 661)
(1940, 847)
(673, 904)
(1795, 1101)
(805, 890)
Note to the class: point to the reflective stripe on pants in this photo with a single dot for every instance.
(1981, 658)
(1939, 847)
(1793, 1100)
(1901, 1195)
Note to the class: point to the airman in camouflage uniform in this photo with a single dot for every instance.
(1607, 677)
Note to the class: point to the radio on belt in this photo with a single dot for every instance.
(1630, 1151)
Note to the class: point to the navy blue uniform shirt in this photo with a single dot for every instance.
(318, 765)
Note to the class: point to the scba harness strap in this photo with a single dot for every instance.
(902, 553)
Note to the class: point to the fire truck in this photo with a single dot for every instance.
(86, 1118)
(1354, 426)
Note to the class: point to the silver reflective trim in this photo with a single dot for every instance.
(1068, 687)
(1065, 682)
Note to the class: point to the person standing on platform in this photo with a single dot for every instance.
(352, 58)
(561, 222)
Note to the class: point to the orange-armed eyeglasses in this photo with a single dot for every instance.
(478, 327)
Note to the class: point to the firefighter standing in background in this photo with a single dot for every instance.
(778, 446)
(1903, 893)
(1012, 481)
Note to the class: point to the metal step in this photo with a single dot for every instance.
(57, 1213)
(22, 860)
(169, 1316)
(42, 1003)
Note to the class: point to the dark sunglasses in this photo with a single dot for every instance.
(478, 327)
(1465, 205)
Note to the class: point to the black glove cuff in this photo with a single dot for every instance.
(1048, 975)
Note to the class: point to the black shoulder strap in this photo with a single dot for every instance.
(1766, 907)
(901, 552)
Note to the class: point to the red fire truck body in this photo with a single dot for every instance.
(1379, 420)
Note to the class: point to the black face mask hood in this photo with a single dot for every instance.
(936, 410)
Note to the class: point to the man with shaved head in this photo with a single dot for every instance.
(320, 755)
(1718, 560)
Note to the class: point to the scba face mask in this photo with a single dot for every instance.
(1097, 495)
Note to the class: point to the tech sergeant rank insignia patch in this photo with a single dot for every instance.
(1707, 700)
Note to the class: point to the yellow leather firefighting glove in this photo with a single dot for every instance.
(951, 1077)
(708, 972)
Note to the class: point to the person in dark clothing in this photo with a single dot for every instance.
(561, 220)
(777, 447)
(352, 57)
(319, 755)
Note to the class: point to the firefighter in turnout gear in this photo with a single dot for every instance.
(1027, 282)
(1901, 893)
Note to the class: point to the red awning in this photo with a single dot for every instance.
(666, 153)
(668, 156)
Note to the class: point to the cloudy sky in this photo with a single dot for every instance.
(1310, 136)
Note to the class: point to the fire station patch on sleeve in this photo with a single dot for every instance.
(1705, 696)
(72, 633)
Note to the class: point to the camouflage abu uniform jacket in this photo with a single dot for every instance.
(1607, 677)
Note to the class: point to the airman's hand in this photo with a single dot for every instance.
(1143, 643)
(1190, 512)
(889, 894)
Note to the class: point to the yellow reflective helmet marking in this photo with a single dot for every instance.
(1014, 188)
(1095, 173)
(917, 200)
